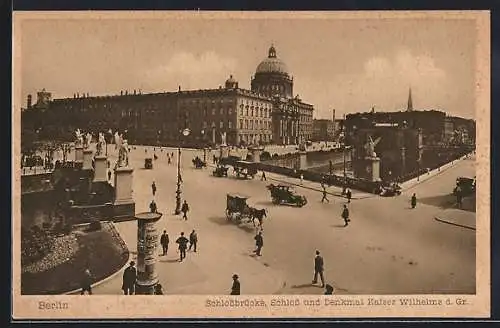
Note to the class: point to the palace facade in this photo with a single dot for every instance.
(266, 114)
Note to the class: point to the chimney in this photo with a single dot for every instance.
(28, 104)
(333, 115)
(134, 92)
(77, 95)
(121, 92)
(179, 88)
(126, 92)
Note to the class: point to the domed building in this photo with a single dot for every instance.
(268, 113)
(272, 78)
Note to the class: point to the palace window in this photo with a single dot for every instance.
(241, 124)
(252, 111)
(246, 124)
(213, 111)
(229, 111)
(230, 124)
(221, 125)
(247, 110)
(222, 111)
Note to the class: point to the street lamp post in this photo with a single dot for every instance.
(204, 146)
(178, 192)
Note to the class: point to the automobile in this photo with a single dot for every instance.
(148, 163)
(245, 169)
(283, 194)
(466, 184)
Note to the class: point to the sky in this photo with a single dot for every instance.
(348, 65)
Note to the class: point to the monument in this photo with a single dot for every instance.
(147, 241)
(78, 148)
(100, 160)
(255, 149)
(124, 203)
(369, 166)
(87, 152)
(224, 149)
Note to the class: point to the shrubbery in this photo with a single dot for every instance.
(35, 244)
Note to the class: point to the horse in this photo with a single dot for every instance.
(259, 215)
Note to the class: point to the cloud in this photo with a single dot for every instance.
(205, 71)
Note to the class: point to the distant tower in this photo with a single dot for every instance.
(410, 102)
(333, 115)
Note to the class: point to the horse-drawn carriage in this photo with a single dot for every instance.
(220, 171)
(390, 190)
(198, 163)
(238, 210)
(244, 169)
(282, 194)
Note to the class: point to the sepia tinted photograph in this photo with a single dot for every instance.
(270, 164)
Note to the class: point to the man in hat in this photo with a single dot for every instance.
(318, 269)
(129, 279)
(182, 241)
(348, 194)
(193, 240)
(235, 289)
(259, 242)
(86, 282)
(413, 200)
(164, 240)
(345, 215)
(153, 188)
(184, 210)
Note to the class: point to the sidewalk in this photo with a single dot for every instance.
(458, 218)
(426, 176)
(208, 271)
(315, 186)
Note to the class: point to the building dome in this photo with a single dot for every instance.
(272, 64)
(231, 83)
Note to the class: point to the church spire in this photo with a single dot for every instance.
(409, 108)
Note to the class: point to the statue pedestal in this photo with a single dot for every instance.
(79, 154)
(302, 160)
(147, 253)
(87, 159)
(369, 169)
(100, 169)
(256, 151)
(124, 205)
(224, 151)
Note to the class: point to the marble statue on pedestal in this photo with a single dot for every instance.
(370, 147)
(122, 153)
(88, 140)
(79, 138)
(223, 139)
(101, 144)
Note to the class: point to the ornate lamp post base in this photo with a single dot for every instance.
(178, 200)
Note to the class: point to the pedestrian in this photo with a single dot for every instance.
(158, 289)
(182, 241)
(329, 289)
(324, 195)
(86, 282)
(259, 243)
(184, 210)
(235, 289)
(318, 269)
(348, 194)
(169, 159)
(193, 240)
(345, 215)
(164, 240)
(129, 279)
(109, 175)
(301, 178)
(152, 207)
(153, 188)
(263, 177)
(458, 193)
(413, 200)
